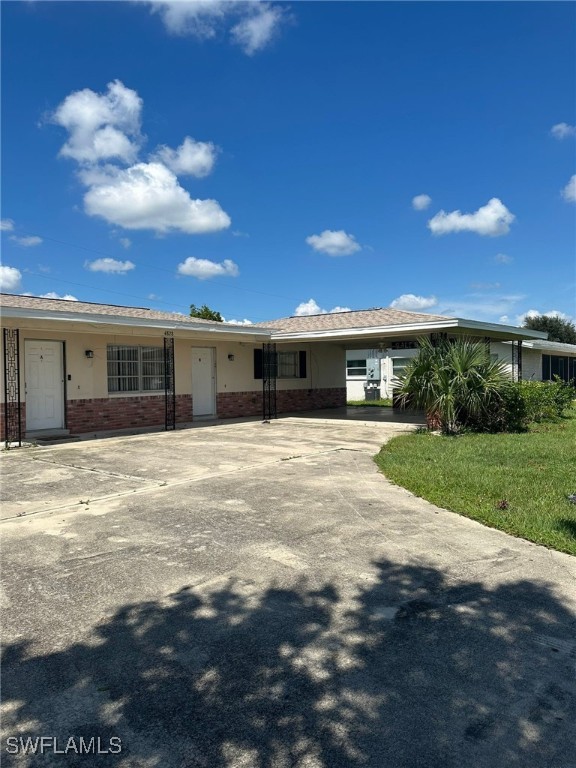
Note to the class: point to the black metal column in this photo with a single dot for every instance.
(12, 406)
(169, 384)
(269, 374)
(517, 360)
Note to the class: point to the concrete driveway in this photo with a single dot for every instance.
(258, 596)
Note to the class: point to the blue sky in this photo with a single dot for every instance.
(269, 159)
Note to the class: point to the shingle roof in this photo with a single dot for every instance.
(84, 307)
(362, 318)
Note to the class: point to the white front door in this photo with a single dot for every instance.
(44, 385)
(203, 382)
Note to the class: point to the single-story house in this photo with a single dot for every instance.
(86, 367)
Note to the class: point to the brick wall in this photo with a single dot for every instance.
(231, 405)
(310, 399)
(236, 404)
(134, 412)
(123, 413)
(22, 418)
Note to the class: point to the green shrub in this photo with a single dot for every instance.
(546, 400)
(506, 412)
(563, 394)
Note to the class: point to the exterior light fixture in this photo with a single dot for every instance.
(231, 358)
(89, 353)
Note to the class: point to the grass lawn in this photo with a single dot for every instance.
(383, 402)
(518, 483)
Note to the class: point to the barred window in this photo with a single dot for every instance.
(135, 369)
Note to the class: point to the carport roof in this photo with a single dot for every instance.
(356, 325)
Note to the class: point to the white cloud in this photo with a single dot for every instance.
(148, 196)
(492, 219)
(256, 31)
(125, 242)
(6, 225)
(27, 242)
(334, 243)
(503, 258)
(10, 278)
(53, 295)
(112, 266)
(238, 322)
(101, 126)
(481, 306)
(537, 313)
(255, 24)
(204, 269)
(569, 191)
(563, 130)
(106, 127)
(485, 286)
(421, 202)
(411, 302)
(193, 158)
(311, 307)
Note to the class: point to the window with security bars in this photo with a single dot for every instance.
(135, 369)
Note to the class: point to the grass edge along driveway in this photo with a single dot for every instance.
(516, 482)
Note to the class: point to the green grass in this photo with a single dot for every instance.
(383, 402)
(530, 474)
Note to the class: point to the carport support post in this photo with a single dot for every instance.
(517, 360)
(169, 384)
(269, 374)
(12, 406)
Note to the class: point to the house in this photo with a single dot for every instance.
(86, 367)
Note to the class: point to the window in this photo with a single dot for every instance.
(356, 367)
(399, 365)
(288, 365)
(135, 369)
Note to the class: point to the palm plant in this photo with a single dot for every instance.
(454, 382)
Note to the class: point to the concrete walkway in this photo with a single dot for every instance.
(259, 596)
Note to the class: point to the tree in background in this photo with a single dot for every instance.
(205, 313)
(556, 328)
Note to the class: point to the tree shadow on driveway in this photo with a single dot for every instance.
(405, 670)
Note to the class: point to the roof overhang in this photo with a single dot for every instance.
(473, 327)
(100, 320)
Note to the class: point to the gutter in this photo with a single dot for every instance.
(139, 322)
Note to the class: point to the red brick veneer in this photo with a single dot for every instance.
(236, 404)
(123, 412)
(22, 418)
(148, 411)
